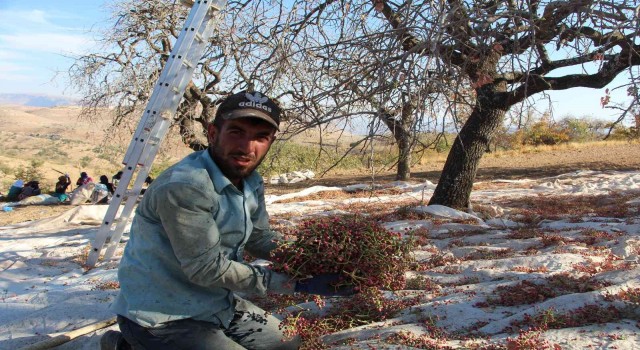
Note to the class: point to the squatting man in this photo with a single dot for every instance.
(183, 264)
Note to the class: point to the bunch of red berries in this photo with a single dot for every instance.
(358, 248)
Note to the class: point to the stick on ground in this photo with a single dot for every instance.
(68, 336)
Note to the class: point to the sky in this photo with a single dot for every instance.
(38, 39)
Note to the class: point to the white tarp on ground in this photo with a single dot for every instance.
(80, 215)
(292, 177)
(45, 290)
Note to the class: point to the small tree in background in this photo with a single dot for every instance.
(31, 172)
(544, 133)
(84, 162)
(578, 130)
(621, 132)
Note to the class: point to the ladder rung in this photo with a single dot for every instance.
(199, 37)
(188, 64)
(189, 3)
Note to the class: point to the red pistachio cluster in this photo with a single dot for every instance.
(357, 247)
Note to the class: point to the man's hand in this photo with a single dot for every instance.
(326, 285)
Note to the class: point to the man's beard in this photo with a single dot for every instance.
(230, 170)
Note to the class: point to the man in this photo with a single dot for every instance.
(183, 263)
(60, 191)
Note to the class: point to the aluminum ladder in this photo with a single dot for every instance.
(155, 122)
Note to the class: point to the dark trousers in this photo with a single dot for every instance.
(249, 329)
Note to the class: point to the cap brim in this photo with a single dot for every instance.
(249, 113)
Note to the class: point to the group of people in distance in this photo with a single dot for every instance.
(20, 190)
(64, 182)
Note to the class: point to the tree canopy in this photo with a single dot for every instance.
(405, 67)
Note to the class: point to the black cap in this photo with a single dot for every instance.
(245, 104)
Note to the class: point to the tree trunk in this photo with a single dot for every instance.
(456, 181)
(402, 133)
(404, 157)
(188, 118)
(185, 115)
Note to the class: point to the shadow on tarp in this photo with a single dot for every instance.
(80, 215)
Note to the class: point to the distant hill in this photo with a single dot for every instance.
(36, 100)
(59, 141)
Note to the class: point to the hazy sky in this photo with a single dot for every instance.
(38, 37)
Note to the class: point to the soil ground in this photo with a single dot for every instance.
(534, 163)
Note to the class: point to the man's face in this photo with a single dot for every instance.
(240, 146)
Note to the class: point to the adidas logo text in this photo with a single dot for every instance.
(255, 105)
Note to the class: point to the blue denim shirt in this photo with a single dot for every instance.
(184, 255)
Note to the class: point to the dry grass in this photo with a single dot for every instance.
(56, 137)
(563, 147)
(575, 207)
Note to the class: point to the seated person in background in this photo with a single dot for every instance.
(83, 179)
(116, 178)
(105, 181)
(103, 191)
(15, 190)
(63, 183)
(147, 181)
(31, 188)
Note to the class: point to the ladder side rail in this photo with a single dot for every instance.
(110, 217)
(122, 191)
(205, 30)
(196, 16)
(175, 89)
(129, 205)
(160, 129)
(149, 153)
(179, 83)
